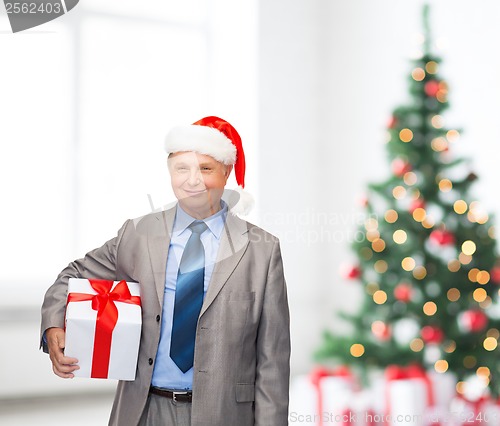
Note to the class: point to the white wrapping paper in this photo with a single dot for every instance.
(80, 330)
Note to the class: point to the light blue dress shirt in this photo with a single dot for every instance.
(166, 374)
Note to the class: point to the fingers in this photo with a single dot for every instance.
(64, 371)
(62, 366)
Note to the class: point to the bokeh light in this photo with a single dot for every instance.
(380, 266)
(437, 121)
(380, 297)
(441, 366)
(470, 361)
(445, 185)
(479, 295)
(357, 350)
(430, 308)
(420, 272)
(406, 135)
(418, 74)
(439, 144)
(432, 67)
(378, 245)
(490, 343)
(399, 236)
(453, 294)
(391, 216)
(416, 345)
(452, 135)
(469, 247)
(419, 214)
(460, 206)
(408, 264)
(399, 192)
(449, 346)
(483, 277)
(410, 178)
(454, 265)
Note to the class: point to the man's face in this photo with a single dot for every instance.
(198, 182)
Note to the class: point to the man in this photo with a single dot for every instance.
(215, 342)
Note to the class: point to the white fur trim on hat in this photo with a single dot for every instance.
(245, 203)
(202, 139)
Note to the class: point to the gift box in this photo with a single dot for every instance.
(475, 405)
(303, 401)
(335, 389)
(483, 411)
(409, 396)
(103, 327)
(444, 390)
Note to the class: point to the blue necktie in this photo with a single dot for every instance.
(188, 298)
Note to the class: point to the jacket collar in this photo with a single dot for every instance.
(234, 241)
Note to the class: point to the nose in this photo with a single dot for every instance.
(194, 177)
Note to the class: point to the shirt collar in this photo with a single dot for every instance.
(215, 222)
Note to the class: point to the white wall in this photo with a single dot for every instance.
(331, 72)
(86, 102)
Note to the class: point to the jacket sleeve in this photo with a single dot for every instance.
(273, 349)
(98, 263)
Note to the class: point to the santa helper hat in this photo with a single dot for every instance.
(217, 138)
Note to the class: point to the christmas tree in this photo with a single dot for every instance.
(427, 258)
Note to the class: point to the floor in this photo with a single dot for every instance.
(72, 410)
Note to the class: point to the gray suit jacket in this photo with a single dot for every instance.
(242, 350)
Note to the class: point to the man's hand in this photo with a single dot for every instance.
(63, 366)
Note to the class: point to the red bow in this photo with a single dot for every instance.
(107, 316)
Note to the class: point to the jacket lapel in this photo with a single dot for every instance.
(158, 244)
(234, 241)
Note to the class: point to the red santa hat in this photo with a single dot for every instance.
(217, 138)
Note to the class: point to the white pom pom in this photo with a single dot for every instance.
(245, 203)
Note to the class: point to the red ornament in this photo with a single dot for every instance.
(403, 292)
(352, 272)
(432, 334)
(400, 167)
(495, 274)
(441, 237)
(473, 320)
(392, 122)
(381, 330)
(417, 204)
(431, 88)
(363, 201)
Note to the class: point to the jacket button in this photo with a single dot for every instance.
(157, 318)
(150, 361)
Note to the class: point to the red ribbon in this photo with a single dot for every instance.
(413, 371)
(370, 417)
(320, 373)
(107, 316)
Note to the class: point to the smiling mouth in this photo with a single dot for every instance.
(195, 192)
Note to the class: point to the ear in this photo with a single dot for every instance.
(229, 169)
